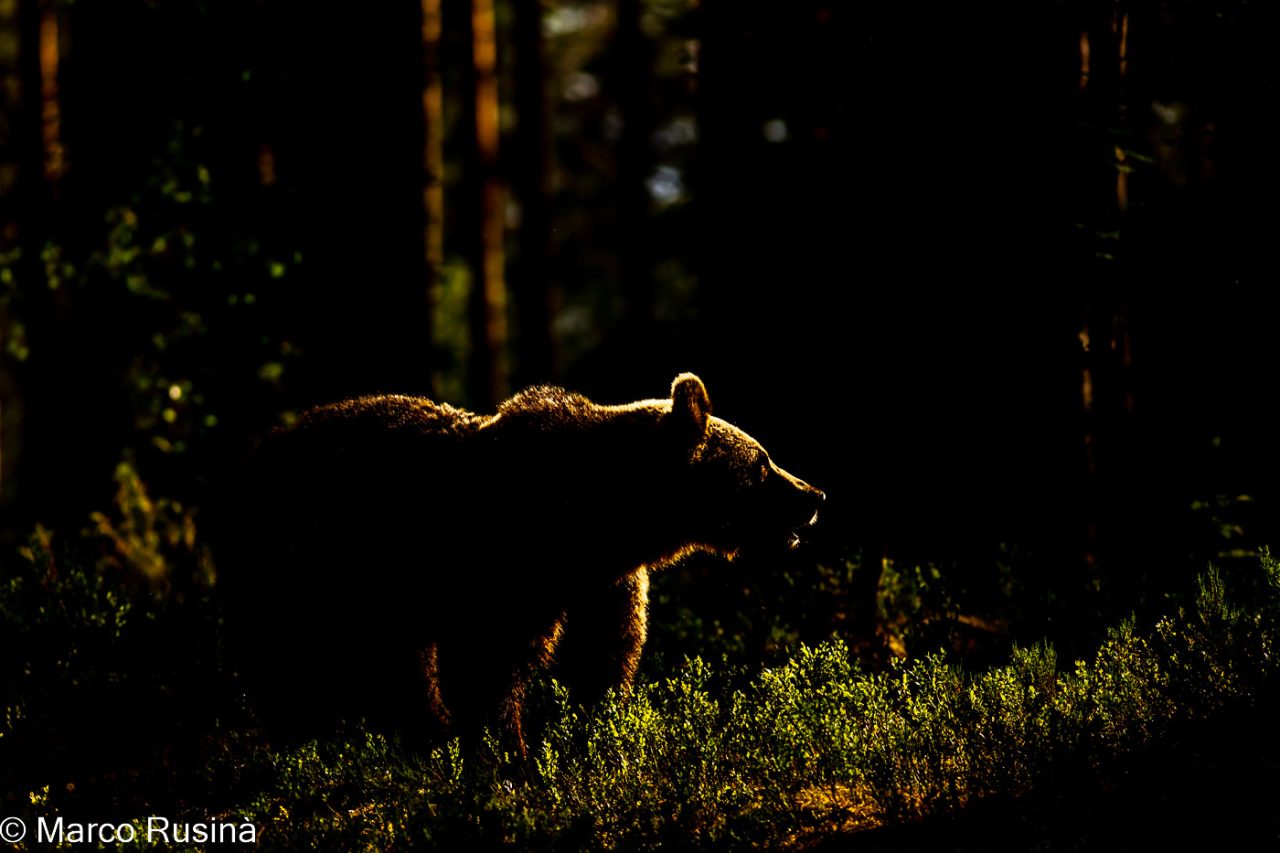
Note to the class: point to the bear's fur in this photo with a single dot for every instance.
(407, 561)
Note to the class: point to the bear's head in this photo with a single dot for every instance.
(651, 479)
(734, 494)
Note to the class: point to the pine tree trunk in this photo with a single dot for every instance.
(485, 254)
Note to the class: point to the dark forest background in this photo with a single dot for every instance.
(997, 277)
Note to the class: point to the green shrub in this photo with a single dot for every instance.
(108, 645)
(120, 621)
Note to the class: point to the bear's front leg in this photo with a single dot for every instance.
(604, 634)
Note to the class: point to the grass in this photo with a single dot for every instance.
(115, 706)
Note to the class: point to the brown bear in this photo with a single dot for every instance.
(404, 560)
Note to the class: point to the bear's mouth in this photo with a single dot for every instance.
(794, 540)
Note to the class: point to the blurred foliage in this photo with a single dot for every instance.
(109, 642)
(586, 70)
(147, 531)
(13, 333)
(198, 338)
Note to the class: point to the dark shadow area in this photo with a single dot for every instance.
(1206, 785)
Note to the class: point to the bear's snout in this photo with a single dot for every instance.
(805, 501)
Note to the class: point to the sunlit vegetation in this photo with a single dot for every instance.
(115, 630)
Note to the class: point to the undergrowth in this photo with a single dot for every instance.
(705, 758)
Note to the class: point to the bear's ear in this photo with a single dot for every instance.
(690, 405)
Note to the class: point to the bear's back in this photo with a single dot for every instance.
(391, 415)
(360, 494)
(382, 443)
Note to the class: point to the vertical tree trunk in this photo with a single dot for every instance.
(42, 473)
(1120, 32)
(1110, 517)
(50, 106)
(487, 381)
(11, 86)
(433, 162)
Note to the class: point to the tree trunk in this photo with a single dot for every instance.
(487, 381)
(433, 179)
(43, 471)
